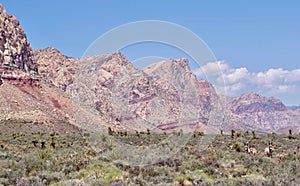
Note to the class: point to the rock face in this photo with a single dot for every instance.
(197, 102)
(54, 67)
(15, 50)
(163, 96)
(17, 77)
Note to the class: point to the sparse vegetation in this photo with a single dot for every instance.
(232, 133)
(238, 134)
(81, 159)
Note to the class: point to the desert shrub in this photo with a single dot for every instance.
(35, 142)
(110, 131)
(43, 144)
(137, 181)
(180, 178)
(135, 170)
(199, 176)
(210, 171)
(211, 161)
(232, 133)
(103, 137)
(237, 146)
(52, 143)
(148, 171)
(29, 181)
(50, 178)
(191, 165)
(161, 179)
(290, 136)
(290, 157)
(117, 183)
(43, 154)
(33, 164)
(238, 134)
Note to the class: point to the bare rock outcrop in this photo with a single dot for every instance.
(198, 102)
(17, 77)
(15, 50)
(54, 67)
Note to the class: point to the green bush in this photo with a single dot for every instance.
(237, 146)
(238, 134)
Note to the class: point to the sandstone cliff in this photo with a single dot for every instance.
(15, 50)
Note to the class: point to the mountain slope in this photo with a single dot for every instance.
(29, 105)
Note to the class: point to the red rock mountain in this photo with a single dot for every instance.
(252, 111)
(43, 90)
(15, 50)
(27, 102)
(252, 102)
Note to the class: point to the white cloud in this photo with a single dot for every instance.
(236, 80)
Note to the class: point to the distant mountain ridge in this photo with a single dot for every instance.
(45, 90)
(294, 107)
(252, 111)
(252, 102)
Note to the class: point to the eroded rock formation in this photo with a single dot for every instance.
(15, 50)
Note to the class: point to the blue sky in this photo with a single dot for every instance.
(256, 42)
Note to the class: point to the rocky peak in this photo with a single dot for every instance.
(182, 62)
(252, 102)
(170, 69)
(121, 58)
(115, 63)
(54, 67)
(50, 50)
(49, 55)
(15, 50)
(253, 96)
(108, 68)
